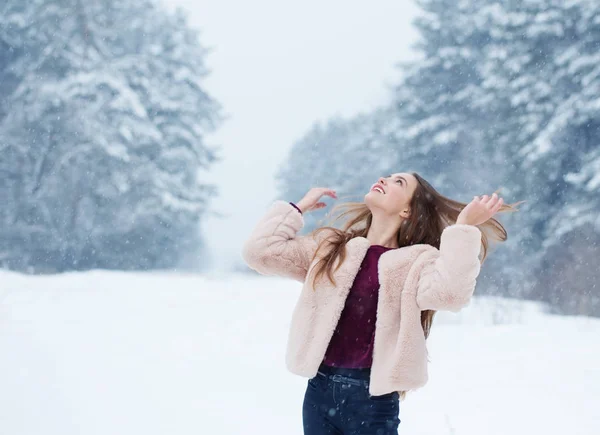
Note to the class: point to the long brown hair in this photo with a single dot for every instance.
(431, 212)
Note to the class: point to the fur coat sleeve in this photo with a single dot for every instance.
(447, 278)
(274, 248)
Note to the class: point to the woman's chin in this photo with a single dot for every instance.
(370, 197)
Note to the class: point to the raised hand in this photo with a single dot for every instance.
(311, 201)
(480, 209)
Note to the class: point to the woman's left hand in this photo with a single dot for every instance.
(480, 209)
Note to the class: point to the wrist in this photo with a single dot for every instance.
(301, 207)
(296, 207)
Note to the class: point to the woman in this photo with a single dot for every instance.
(370, 290)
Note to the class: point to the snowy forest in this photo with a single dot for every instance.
(104, 119)
(504, 95)
(141, 141)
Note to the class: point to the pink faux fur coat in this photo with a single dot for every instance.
(412, 279)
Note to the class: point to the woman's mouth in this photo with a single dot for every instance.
(378, 188)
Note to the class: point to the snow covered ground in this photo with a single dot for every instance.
(155, 354)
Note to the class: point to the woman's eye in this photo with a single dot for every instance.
(399, 181)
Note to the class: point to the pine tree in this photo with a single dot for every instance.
(449, 123)
(440, 101)
(502, 95)
(549, 72)
(102, 135)
(509, 88)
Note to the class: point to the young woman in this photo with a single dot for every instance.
(370, 291)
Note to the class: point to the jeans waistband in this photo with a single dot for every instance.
(341, 374)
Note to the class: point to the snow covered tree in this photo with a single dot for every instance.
(102, 135)
(546, 64)
(503, 95)
(449, 133)
(440, 100)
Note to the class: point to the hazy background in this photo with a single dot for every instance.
(277, 68)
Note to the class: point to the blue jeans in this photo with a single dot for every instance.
(337, 402)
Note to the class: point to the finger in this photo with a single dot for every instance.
(319, 205)
(494, 209)
(492, 201)
(330, 193)
(485, 199)
(498, 205)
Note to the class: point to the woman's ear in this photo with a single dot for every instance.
(405, 214)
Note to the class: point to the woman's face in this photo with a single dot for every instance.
(392, 194)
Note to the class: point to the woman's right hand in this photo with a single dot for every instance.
(311, 201)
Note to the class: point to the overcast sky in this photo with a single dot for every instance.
(276, 67)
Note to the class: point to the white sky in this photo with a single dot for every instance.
(276, 67)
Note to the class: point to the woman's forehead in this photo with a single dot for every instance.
(409, 178)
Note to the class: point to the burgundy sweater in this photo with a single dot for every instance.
(351, 345)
